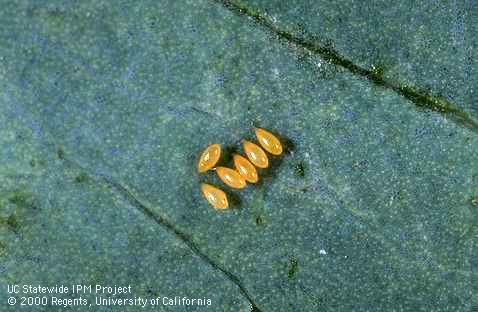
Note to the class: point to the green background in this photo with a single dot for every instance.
(105, 107)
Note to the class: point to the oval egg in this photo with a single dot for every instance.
(231, 177)
(215, 196)
(209, 157)
(268, 141)
(256, 154)
(245, 168)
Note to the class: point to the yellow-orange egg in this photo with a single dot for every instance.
(216, 197)
(245, 168)
(256, 155)
(209, 157)
(231, 177)
(268, 141)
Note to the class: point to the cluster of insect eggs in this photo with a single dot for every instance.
(245, 171)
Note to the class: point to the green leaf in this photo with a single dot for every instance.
(106, 106)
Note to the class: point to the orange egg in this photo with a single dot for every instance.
(245, 168)
(256, 155)
(216, 197)
(268, 141)
(209, 157)
(231, 177)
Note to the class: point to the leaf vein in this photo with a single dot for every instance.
(420, 97)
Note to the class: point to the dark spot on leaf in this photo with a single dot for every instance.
(299, 169)
(12, 222)
(292, 268)
(20, 199)
(360, 164)
(226, 156)
(260, 220)
(32, 163)
(81, 178)
(24, 203)
(60, 153)
(288, 144)
(234, 200)
(100, 99)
